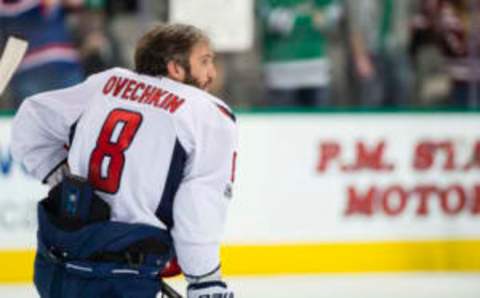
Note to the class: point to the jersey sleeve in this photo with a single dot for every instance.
(41, 127)
(201, 202)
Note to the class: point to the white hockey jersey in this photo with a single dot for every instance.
(158, 151)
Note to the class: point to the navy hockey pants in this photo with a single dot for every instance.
(64, 267)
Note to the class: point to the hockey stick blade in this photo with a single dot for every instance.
(11, 58)
(168, 291)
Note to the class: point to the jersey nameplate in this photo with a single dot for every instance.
(129, 89)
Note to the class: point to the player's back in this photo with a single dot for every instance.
(157, 151)
(127, 143)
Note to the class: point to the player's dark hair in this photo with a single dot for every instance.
(165, 43)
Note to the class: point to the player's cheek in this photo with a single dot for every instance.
(213, 72)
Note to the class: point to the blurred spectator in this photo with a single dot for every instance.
(378, 37)
(98, 47)
(128, 19)
(295, 40)
(51, 61)
(432, 81)
(454, 26)
(107, 30)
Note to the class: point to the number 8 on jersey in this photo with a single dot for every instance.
(108, 159)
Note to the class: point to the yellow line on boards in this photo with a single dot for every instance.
(458, 255)
(16, 266)
(401, 256)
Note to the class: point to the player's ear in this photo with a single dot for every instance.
(175, 71)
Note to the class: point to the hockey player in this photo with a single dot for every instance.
(159, 153)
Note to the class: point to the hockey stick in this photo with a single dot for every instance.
(169, 291)
(11, 58)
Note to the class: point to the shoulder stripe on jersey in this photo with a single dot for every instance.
(175, 174)
(226, 112)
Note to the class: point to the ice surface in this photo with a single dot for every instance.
(417, 285)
